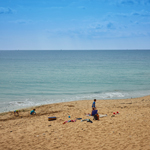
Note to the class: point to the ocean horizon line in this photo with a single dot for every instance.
(74, 49)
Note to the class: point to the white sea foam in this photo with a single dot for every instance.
(10, 106)
(22, 103)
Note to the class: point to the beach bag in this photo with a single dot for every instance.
(96, 117)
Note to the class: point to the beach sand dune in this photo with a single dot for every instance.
(130, 129)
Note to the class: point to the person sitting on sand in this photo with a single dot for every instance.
(93, 105)
(94, 111)
(16, 112)
(33, 112)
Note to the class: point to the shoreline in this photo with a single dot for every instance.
(23, 103)
(127, 130)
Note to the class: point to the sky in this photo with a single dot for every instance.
(74, 24)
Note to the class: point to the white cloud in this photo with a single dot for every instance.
(5, 10)
(141, 13)
(129, 2)
(22, 21)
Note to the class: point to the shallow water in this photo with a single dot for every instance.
(29, 78)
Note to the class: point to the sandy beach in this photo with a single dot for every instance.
(130, 129)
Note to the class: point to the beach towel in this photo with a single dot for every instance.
(101, 116)
(88, 120)
(78, 118)
(69, 121)
(88, 114)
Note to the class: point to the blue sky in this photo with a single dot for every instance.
(74, 24)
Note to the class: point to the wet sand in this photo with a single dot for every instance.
(130, 129)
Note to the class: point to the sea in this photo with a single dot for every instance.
(37, 77)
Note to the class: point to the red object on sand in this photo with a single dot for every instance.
(117, 112)
(114, 113)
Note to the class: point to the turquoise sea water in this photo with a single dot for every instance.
(29, 78)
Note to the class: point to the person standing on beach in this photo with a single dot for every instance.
(93, 105)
